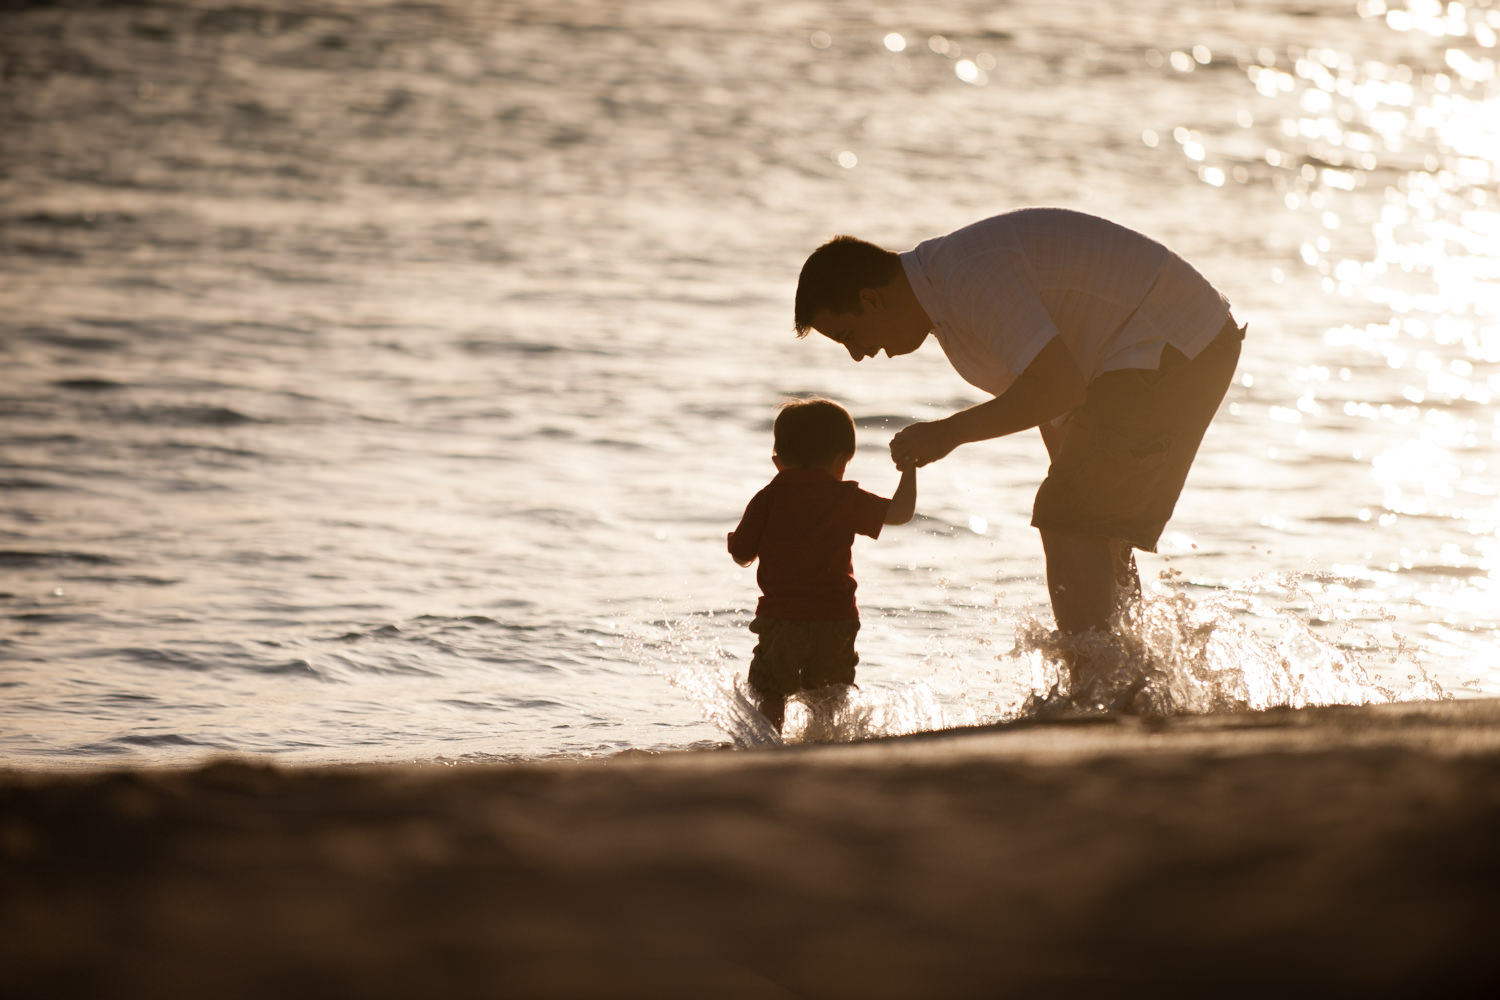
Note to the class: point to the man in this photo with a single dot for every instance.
(1106, 340)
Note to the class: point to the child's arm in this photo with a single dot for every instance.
(738, 555)
(904, 503)
(744, 540)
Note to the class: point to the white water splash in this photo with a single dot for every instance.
(694, 662)
(846, 714)
(1174, 657)
(1230, 652)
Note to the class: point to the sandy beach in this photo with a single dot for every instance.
(1336, 850)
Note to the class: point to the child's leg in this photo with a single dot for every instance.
(772, 706)
(799, 656)
(831, 658)
(827, 676)
(775, 667)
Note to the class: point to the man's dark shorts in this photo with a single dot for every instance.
(799, 656)
(1131, 444)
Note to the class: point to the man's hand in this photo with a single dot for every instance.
(1049, 387)
(921, 443)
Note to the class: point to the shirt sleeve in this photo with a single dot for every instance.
(867, 511)
(744, 541)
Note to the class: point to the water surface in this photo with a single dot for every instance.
(379, 381)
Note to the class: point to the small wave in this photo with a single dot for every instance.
(379, 662)
(152, 32)
(7, 485)
(470, 705)
(89, 384)
(29, 249)
(71, 341)
(442, 632)
(192, 416)
(524, 347)
(159, 740)
(49, 617)
(172, 659)
(465, 621)
(125, 579)
(22, 559)
(132, 743)
(128, 698)
(228, 657)
(257, 557)
(619, 444)
(290, 668)
(75, 220)
(201, 449)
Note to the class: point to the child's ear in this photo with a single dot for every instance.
(776, 461)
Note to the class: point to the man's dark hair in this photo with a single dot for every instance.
(836, 273)
(810, 433)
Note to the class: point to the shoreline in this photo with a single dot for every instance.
(1314, 850)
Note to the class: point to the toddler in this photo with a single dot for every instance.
(802, 526)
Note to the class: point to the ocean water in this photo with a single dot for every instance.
(378, 381)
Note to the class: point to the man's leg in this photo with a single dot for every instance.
(1078, 565)
(1081, 579)
(1088, 578)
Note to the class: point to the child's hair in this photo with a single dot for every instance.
(836, 273)
(810, 433)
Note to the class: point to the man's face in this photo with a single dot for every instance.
(868, 332)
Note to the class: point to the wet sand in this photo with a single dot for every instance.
(1327, 851)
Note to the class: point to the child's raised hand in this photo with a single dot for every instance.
(920, 444)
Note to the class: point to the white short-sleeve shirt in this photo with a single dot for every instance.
(999, 290)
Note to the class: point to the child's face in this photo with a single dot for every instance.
(873, 329)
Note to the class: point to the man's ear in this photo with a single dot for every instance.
(776, 461)
(871, 298)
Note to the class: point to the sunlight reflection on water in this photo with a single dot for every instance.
(1392, 162)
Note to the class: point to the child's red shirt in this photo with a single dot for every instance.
(802, 526)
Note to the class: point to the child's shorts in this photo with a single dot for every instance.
(1131, 444)
(799, 656)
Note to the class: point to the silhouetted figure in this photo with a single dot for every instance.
(1115, 347)
(802, 526)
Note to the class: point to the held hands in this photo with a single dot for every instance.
(920, 444)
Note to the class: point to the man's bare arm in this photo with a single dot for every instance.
(1049, 387)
